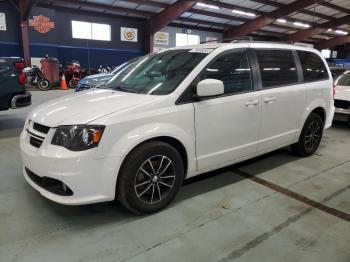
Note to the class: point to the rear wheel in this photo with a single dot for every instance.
(310, 137)
(150, 177)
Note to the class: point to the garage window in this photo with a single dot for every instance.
(91, 31)
(185, 39)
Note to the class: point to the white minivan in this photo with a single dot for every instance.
(174, 115)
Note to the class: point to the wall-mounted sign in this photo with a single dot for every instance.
(2, 22)
(186, 31)
(128, 34)
(210, 39)
(161, 38)
(334, 54)
(42, 24)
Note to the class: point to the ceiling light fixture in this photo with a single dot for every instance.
(281, 20)
(329, 30)
(301, 24)
(243, 13)
(208, 6)
(341, 32)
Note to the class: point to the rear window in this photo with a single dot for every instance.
(344, 80)
(277, 67)
(313, 67)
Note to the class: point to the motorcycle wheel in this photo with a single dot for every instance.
(44, 84)
(72, 84)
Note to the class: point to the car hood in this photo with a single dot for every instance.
(86, 106)
(342, 93)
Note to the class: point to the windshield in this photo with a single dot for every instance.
(344, 80)
(157, 74)
(132, 61)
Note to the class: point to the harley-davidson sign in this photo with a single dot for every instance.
(42, 24)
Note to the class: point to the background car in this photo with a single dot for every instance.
(12, 81)
(342, 97)
(99, 80)
(337, 71)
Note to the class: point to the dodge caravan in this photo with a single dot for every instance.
(174, 115)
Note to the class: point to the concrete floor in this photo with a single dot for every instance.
(220, 216)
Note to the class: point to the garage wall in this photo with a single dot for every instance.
(172, 31)
(59, 42)
(10, 39)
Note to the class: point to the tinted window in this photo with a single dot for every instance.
(344, 80)
(313, 66)
(232, 69)
(277, 67)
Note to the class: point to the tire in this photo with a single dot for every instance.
(43, 84)
(310, 137)
(143, 191)
(72, 84)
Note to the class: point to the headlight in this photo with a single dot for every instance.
(78, 138)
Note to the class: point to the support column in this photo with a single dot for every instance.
(25, 42)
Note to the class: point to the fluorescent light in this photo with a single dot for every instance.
(281, 20)
(329, 30)
(208, 6)
(242, 13)
(301, 24)
(341, 32)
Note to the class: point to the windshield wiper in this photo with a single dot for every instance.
(121, 88)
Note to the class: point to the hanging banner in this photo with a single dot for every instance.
(2, 22)
(128, 34)
(161, 38)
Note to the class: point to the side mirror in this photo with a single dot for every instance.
(210, 87)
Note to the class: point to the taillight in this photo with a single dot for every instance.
(21, 78)
(334, 90)
(19, 65)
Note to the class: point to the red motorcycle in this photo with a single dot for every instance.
(74, 73)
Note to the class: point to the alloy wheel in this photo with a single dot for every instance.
(313, 135)
(155, 179)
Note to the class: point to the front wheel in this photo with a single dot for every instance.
(72, 83)
(310, 137)
(43, 84)
(150, 177)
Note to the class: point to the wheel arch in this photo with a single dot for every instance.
(176, 143)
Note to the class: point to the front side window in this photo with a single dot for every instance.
(344, 80)
(277, 67)
(232, 69)
(157, 74)
(313, 67)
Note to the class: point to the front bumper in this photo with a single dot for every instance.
(90, 180)
(21, 100)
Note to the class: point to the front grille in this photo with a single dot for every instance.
(50, 184)
(41, 128)
(35, 141)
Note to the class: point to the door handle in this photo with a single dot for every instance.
(270, 99)
(251, 103)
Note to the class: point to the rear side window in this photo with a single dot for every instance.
(277, 67)
(313, 67)
(232, 69)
